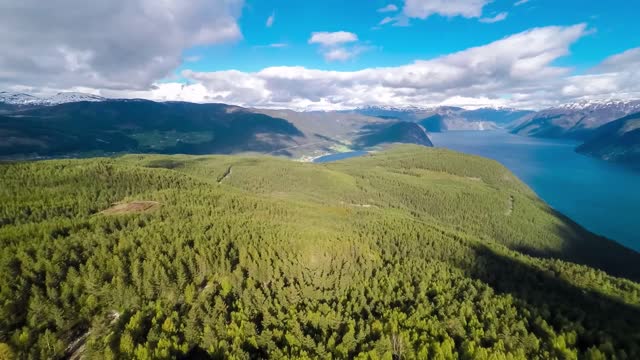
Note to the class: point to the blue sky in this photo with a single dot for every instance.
(330, 54)
(613, 23)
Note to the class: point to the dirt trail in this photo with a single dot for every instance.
(510, 207)
(226, 174)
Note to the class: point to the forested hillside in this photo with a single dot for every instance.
(82, 128)
(411, 253)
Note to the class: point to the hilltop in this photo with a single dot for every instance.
(412, 252)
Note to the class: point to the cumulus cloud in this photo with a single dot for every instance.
(387, 20)
(332, 38)
(499, 17)
(115, 44)
(333, 45)
(339, 54)
(517, 70)
(388, 8)
(617, 75)
(422, 9)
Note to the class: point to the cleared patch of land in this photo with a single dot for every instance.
(131, 207)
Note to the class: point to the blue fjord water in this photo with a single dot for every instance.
(339, 156)
(601, 196)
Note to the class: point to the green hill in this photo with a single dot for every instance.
(411, 253)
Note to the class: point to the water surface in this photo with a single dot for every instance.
(339, 156)
(601, 196)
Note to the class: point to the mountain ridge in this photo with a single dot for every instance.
(577, 120)
(617, 141)
(15, 98)
(115, 126)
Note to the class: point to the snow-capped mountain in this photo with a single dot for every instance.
(14, 98)
(575, 120)
(17, 98)
(628, 106)
(394, 108)
(67, 97)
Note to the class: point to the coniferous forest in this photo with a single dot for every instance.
(410, 253)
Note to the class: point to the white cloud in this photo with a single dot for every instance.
(422, 9)
(339, 54)
(344, 54)
(618, 75)
(387, 20)
(332, 38)
(388, 8)
(499, 17)
(518, 70)
(521, 2)
(115, 44)
(270, 20)
(334, 45)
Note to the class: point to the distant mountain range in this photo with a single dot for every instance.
(448, 118)
(608, 128)
(73, 124)
(21, 99)
(575, 120)
(101, 126)
(616, 141)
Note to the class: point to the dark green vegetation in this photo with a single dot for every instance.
(617, 141)
(140, 126)
(410, 253)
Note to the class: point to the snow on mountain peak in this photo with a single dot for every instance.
(601, 104)
(14, 98)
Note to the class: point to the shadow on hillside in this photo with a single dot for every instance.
(562, 304)
(585, 248)
(146, 127)
(246, 133)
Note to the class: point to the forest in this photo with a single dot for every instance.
(408, 253)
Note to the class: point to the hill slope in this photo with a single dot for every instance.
(617, 141)
(142, 126)
(409, 253)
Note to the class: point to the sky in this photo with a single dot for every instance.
(325, 55)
